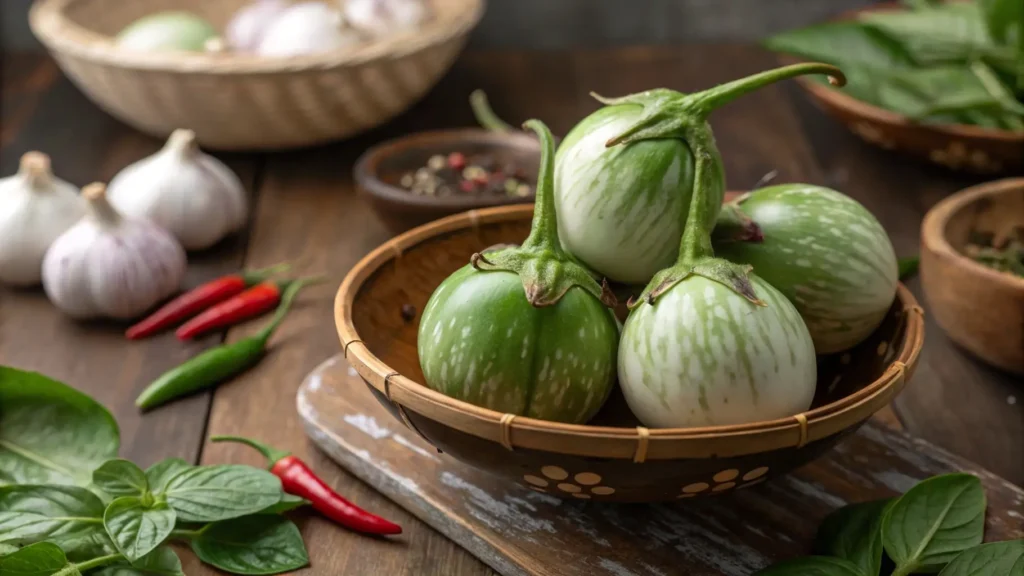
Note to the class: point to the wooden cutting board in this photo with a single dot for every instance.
(520, 532)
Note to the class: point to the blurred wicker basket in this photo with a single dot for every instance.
(241, 101)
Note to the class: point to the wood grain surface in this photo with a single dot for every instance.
(306, 209)
(519, 532)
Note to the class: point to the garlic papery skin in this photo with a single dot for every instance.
(35, 208)
(247, 27)
(380, 18)
(307, 28)
(109, 265)
(190, 194)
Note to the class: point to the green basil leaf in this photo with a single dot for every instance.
(994, 559)
(121, 477)
(34, 513)
(83, 546)
(259, 544)
(854, 533)
(288, 502)
(944, 34)
(864, 54)
(137, 528)
(6, 549)
(159, 474)
(1003, 17)
(845, 42)
(212, 493)
(160, 562)
(933, 522)
(813, 566)
(51, 433)
(41, 559)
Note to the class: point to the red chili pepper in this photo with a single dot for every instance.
(255, 301)
(198, 299)
(299, 480)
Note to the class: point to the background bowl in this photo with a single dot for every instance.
(956, 146)
(379, 169)
(612, 458)
(980, 308)
(241, 101)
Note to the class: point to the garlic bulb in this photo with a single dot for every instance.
(307, 28)
(190, 194)
(111, 266)
(247, 27)
(384, 17)
(35, 208)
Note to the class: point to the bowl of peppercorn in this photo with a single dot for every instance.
(972, 270)
(424, 176)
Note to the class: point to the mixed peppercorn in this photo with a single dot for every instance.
(458, 173)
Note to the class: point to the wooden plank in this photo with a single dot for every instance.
(519, 532)
(86, 145)
(957, 401)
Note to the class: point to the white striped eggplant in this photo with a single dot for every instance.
(624, 176)
(708, 343)
(523, 330)
(823, 250)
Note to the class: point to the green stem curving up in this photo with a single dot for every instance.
(546, 270)
(485, 115)
(720, 95)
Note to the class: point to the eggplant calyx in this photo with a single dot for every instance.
(733, 276)
(546, 276)
(733, 225)
(547, 271)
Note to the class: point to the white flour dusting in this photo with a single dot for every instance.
(368, 425)
(504, 517)
(615, 568)
(411, 446)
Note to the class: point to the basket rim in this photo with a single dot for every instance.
(618, 442)
(933, 230)
(59, 34)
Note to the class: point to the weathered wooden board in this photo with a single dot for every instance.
(520, 532)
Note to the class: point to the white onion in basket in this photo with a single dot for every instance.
(307, 28)
(383, 17)
(248, 26)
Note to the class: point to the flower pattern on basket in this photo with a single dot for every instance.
(956, 155)
(583, 485)
(725, 480)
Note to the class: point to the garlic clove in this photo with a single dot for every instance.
(189, 193)
(307, 28)
(110, 265)
(249, 24)
(380, 18)
(36, 208)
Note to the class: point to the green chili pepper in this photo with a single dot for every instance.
(908, 267)
(217, 364)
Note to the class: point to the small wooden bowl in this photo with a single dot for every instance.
(378, 172)
(612, 459)
(981, 309)
(959, 147)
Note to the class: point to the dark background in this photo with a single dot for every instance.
(554, 24)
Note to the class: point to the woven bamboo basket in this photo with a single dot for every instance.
(612, 458)
(240, 101)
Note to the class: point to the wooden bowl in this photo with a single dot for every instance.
(981, 309)
(959, 147)
(236, 101)
(378, 172)
(613, 458)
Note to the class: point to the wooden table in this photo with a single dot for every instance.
(307, 211)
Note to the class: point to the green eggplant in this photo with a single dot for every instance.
(523, 330)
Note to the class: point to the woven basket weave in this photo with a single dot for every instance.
(242, 101)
